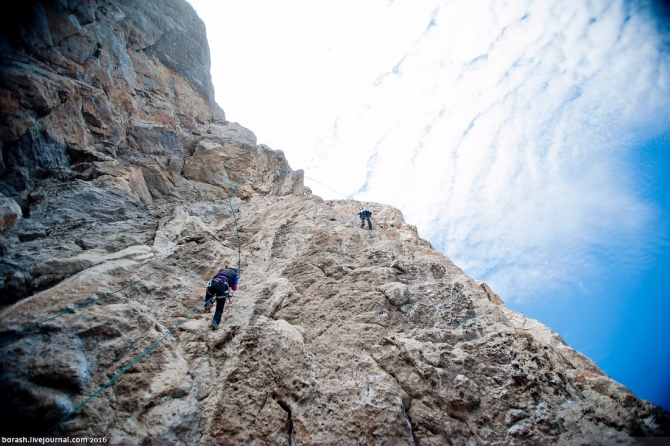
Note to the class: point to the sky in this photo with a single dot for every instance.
(528, 140)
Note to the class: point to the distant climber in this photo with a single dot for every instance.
(219, 289)
(365, 215)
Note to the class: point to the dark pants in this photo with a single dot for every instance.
(220, 290)
(363, 222)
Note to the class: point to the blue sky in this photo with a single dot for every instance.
(528, 140)
(622, 321)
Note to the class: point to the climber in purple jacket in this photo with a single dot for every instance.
(219, 289)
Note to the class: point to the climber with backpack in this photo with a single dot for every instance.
(219, 289)
(365, 215)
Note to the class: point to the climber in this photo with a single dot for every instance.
(365, 214)
(219, 289)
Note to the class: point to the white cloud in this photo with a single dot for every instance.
(497, 126)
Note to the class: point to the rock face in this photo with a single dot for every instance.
(108, 119)
(116, 167)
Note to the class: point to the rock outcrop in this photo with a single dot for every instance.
(108, 119)
(116, 170)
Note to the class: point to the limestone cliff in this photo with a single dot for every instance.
(117, 165)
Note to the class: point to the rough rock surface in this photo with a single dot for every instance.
(117, 166)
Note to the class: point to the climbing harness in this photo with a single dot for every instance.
(226, 292)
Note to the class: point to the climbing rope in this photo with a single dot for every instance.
(72, 310)
(124, 370)
(339, 193)
(345, 196)
(144, 353)
(230, 202)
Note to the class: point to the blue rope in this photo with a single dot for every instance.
(124, 370)
(108, 383)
